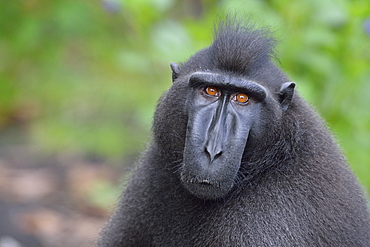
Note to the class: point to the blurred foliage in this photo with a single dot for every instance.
(84, 76)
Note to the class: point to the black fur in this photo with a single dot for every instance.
(293, 187)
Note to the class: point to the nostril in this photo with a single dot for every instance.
(212, 155)
(207, 153)
(218, 155)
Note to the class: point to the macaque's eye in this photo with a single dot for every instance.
(240, 98)
(212, 91)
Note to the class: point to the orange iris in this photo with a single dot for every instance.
(212, 91)
(241, 98)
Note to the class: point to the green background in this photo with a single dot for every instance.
(83, 77)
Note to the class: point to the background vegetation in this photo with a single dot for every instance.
(83, 77)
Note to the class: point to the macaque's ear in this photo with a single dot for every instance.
(286, 94)
(175, 71)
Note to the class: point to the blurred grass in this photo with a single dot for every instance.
(84, 76)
